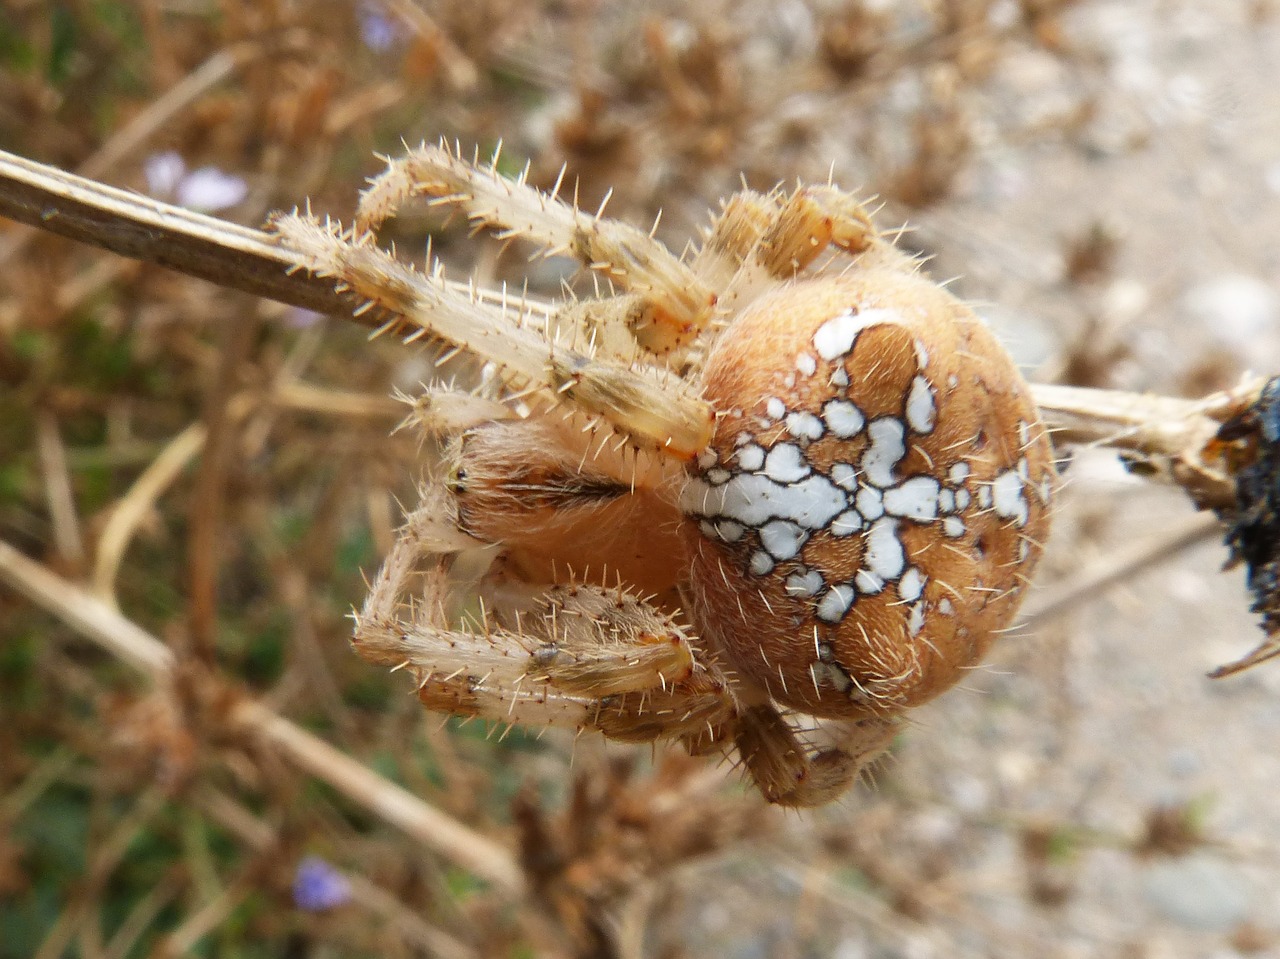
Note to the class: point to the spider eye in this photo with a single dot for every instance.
(874, 496)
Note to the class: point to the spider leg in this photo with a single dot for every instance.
(734, 236)
(759, 239)
(555, 492)
(646, 403)
(790, 773)
(782, 234)
(441, 412)
(675, 304)
(576, 656)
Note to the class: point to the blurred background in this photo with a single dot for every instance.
(1101, 177)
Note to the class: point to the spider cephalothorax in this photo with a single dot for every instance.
(786, 476)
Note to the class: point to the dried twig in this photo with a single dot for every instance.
(1091, 583)
(108, 853)
(128, 512)
(162, 111)
(209, 915)
(259, 836)
(57, 485)
(1164, 437)
(95, 620)
(144, 229)
(206, 512)
(232, 256)
(130, 509)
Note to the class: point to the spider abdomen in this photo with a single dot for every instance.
(874, 496)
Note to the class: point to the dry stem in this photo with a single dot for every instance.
(144, 229)
(1166, 435)
(95, 620)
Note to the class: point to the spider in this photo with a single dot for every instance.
(763, 498)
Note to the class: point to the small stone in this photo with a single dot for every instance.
(1235, 308)
(1198, 892)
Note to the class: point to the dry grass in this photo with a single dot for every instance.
(193, 482)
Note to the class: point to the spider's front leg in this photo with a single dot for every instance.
(784, 234)
(760, 239)
(672, 304)
(643, 402)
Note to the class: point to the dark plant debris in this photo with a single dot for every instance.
(1253, 521)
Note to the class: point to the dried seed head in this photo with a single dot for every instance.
(873, 500)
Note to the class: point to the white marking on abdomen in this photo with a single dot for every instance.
(1008, 498)
(870, 503)
(782, 539)
(915, 498)
(753, 499)
(804, 425)
(911, 586)
(805, 584)
(885, 452)
(885, 556)
(750, 457)
(920, 407)
(785, 464)
(846, 524)
(835, 603)
(835, 338)
(843, 418)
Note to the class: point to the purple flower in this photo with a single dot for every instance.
(210, 189)
(300, 319)
(378, 31)
(318, 886)
(164, 171)
(207, 189)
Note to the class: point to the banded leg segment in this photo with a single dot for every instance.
(574, 656)
(760, 239)
(677, 304)
(783, 234)
(646, 403)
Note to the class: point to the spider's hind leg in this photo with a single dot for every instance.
(575, 656)
(791, 773)
(557, 493)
